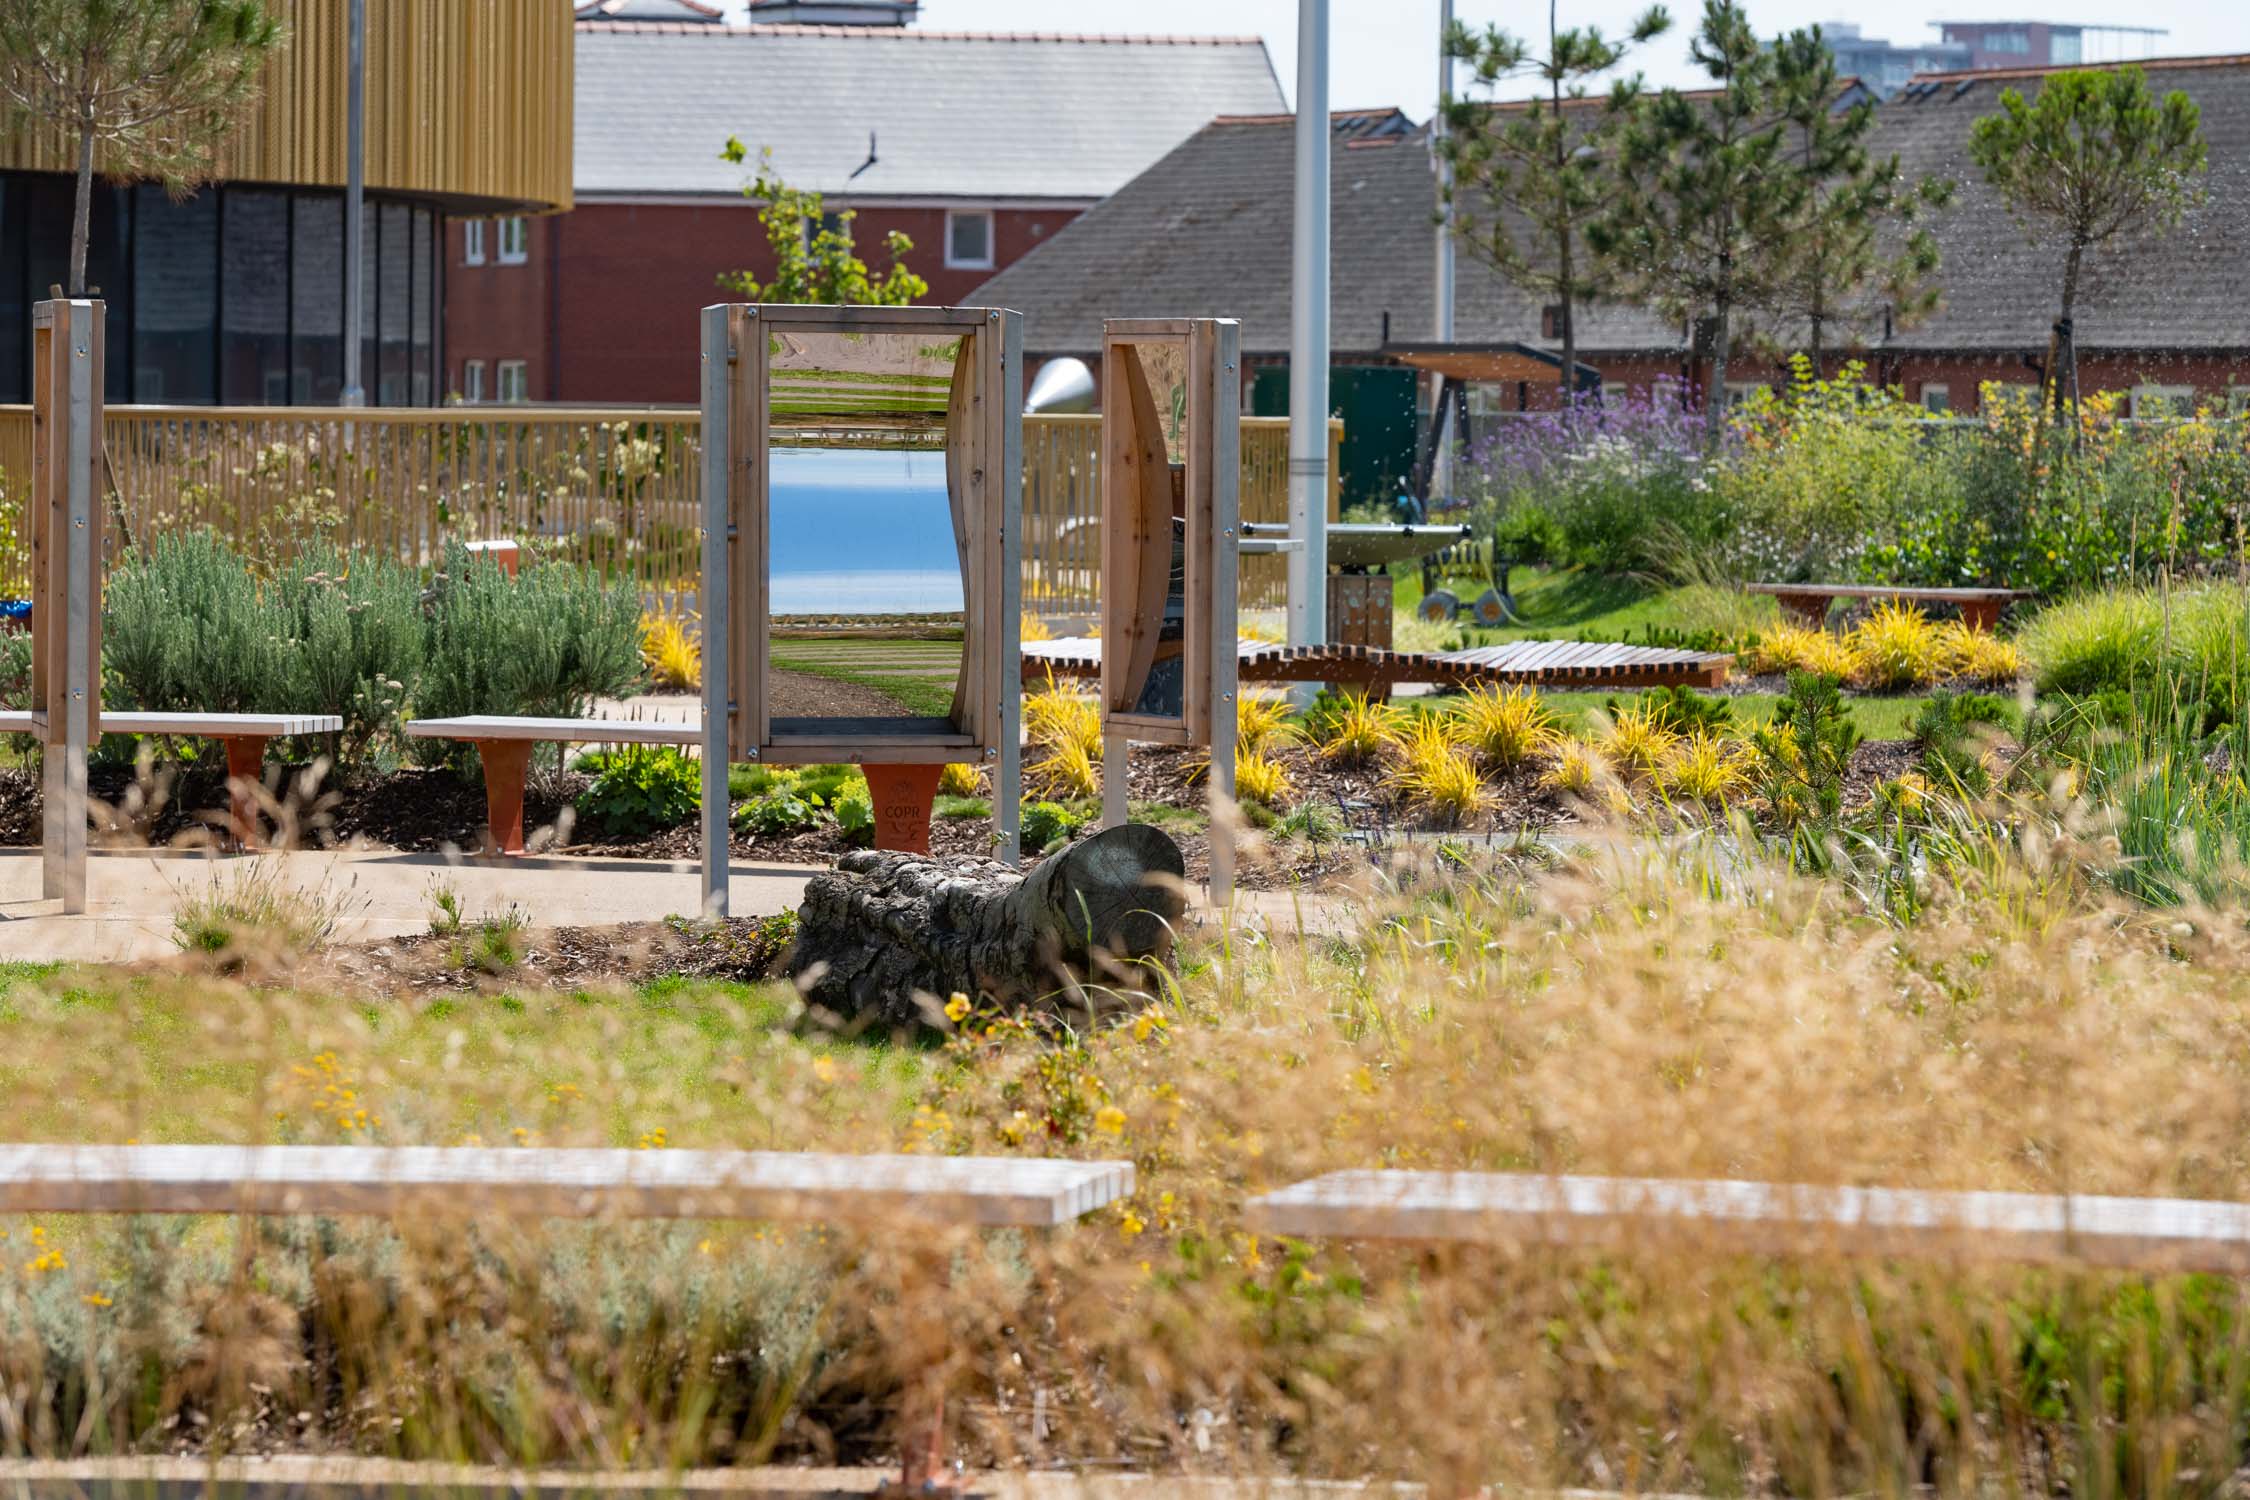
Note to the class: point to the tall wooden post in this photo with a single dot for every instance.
(66, 566)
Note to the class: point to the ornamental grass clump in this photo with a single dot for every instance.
(1260, 778)
(356, 641)
(1896, 646)
(1978, 656)
(1436, 773)
(1354, 732)
(1262, 722)
(1800, 648)
(1637, 740)
(1707, 769)
(671, 651)
(1505, 726)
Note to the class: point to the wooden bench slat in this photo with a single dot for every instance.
(2148, 1234)
(557, 1182)
(207, 726)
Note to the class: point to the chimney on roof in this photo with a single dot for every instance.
(833, 12)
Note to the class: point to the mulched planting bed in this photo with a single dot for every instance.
(423, 811)
(741, 949)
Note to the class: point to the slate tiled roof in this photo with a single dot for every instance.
(1206, 232)
(954, 114)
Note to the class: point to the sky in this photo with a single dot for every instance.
(1385, 51)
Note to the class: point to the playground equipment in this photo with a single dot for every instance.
(1171, 475)
(857, 404)
(65, 522)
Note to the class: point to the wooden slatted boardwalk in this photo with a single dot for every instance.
(557, 1182)
(2137, 1234)
(1557, 664)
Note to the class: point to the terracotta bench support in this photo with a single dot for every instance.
(904, 798)
(505, 764)
(246, 764)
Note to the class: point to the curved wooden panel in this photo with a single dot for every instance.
(1147, 507)
(468, 101)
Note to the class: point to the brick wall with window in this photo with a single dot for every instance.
(499, 300)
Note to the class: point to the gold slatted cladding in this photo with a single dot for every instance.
(467, 100)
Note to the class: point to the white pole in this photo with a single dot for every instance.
(355, 199)
(1441, 473)
(1308, 339)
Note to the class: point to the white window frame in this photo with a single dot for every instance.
(472, 242)
(1942, 389)
(472, 381)
(2238, 400)
(512, 382)
(991, 230)
(515, 240)
(1739, 391)
(2179, 400)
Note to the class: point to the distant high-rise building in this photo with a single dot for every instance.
(1885, 66)
(2047, 44)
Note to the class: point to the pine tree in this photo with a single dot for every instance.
(1856, 231)
(1542, 167)
(149, 86)
(1704, 193)
(2095, 155)
(813, 258)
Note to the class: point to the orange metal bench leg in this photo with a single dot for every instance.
(903, 797)
(246, 761)
(1981, 614)
(505, 762)
(1808, 608)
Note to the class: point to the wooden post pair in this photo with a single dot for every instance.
(65, 521)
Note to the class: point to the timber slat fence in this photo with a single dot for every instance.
(617, 490)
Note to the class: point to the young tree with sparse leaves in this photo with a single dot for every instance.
(814, 262)
(1705, 192)
(1541, 166)
(149, 86)
(2095, 155)
(1857, 229)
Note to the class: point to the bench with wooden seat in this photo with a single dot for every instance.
(962, 1192)
(1980, 608)
(1375, 670)
(1616, 1213)
(504, 746)
(244, 737)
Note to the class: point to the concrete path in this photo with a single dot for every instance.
(133, 894)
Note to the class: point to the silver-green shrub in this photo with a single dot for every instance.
(540, 644)
(185, 628)
(355, 627)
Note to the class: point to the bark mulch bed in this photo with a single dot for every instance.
(741, 949)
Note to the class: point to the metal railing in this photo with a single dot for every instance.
(616, 490)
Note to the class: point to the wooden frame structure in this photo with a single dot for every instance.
(66, 568)
(983, 419)
(1170, 541)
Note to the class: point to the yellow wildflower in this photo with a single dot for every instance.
(1110, 1120)
(957, 1008)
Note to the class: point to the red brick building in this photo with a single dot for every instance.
(979, 148)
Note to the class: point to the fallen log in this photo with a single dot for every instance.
(885, 935)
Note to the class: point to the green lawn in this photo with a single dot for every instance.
(1561, 604)
(918, 675)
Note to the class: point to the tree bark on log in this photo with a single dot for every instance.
(886, 936)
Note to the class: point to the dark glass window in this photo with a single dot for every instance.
(48, 251)
(176, 292)
(15, 312)
(254, 299)
(394, 319)
(316, 301)
(370, 258)
(425, 310)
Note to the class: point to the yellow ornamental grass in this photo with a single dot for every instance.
(1360, 731)
(1438, 776)
(1705, 768)
(1979, 655)
(672, 655)
(1637, 742)
(959, 780)
(1260, 778)
(1506, 726)
(1068, 772)
(1797, 648)
(1896, 646)
(1261, 723)
(1054, 717)
(1029, 627)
